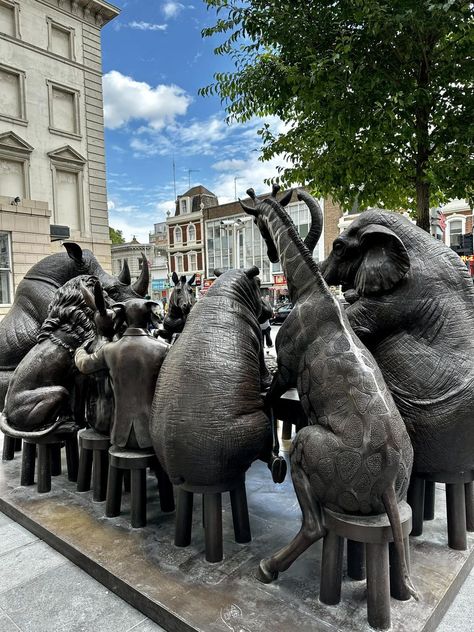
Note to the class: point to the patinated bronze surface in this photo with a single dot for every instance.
(355, 456)
(412, 304)
(181, 302)
(208, 421)
(134, 363)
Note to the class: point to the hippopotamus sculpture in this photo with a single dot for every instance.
(208, 422)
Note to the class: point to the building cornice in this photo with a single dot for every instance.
(184, 219)
(93, 12)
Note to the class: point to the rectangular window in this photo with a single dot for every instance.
(12, 178)
(61, 40)
(192, 262)
(63, 110)
(68, 204)
(9, 18)
(5, 269)
(12, 97)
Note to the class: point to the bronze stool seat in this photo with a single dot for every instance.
(459, 503)
(48, 449)
(93, 463)
(370, 537)
(123, 460)
(212, 516)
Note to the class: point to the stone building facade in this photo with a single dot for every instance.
(52, 163)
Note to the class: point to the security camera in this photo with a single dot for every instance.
(16, 201)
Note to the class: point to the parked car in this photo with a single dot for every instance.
(281, 313)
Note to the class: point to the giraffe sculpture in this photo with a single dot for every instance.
(355, 457)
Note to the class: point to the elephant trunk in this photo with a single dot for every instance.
(315, 231)
(24, 434)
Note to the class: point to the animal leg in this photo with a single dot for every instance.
(312, 529)
(276, 463)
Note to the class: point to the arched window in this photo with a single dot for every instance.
(178, 235)
(191, 233)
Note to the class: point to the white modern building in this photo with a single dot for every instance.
(52, 164)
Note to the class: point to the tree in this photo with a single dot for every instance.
(376, 94)
(116, 236)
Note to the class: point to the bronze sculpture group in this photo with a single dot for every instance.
(385, 384)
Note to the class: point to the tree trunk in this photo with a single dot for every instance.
(423, 204)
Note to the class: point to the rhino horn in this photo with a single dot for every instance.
(124, 276)
(141, 284)
(314, 234)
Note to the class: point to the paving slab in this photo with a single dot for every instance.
(180, 591)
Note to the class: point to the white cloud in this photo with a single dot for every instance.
(229, 165)
(126, 99)
(172, 9)
(147, 26)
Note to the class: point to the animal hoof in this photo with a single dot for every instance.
(279, 468)
(264, 575)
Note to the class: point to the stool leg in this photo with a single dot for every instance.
(240, 514)
(331, 569)
(17, 445)
(378, 586)
(44, 468)
(469, 493)
(286, 430)
(184, 517)
(72, 458)
(138, 497)
(85, 470)
(55, 449)
(456, 516)
(8, 448)
(213, 528)
(114, 492)
(126, 481)
(397, 590)
(355, 560)
(28, 459)
(100, 468)
(429, 505)
(416, 500)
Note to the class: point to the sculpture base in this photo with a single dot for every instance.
(178, 589)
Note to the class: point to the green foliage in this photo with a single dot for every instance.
(116, 236)
(376, 94)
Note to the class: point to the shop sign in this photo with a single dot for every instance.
(158, 284)
(279, 279)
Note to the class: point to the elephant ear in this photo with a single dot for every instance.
(385, 261)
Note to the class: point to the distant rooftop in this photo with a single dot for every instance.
(198, 190)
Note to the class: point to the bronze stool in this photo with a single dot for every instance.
(136, 462)
(49, 458)
(459, 504)
(374, 534)
(10, 446)
(212, 517)
(93, 463)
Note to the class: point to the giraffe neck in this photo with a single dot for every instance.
(302, 273)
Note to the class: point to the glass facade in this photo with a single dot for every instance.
(5, 270)
(235, 242)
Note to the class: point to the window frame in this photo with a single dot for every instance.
(450, 220)
(52, 24)
(178, 230)
(16, 17)
(22, 119)
(72, 165)
(9, 270)
(191, 225)
(192, 253)
(53, 85)
(21, 153)
(178, 259)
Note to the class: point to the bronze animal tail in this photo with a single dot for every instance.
(391, 507)
(24, 434)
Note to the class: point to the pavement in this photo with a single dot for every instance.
(42, 591)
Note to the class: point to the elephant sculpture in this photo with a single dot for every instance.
(355, 456)
(412, 305)
(39, 398)
(181, 302)
(21, 325)
(208, 422)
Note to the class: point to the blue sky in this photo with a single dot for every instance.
(154, 62)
